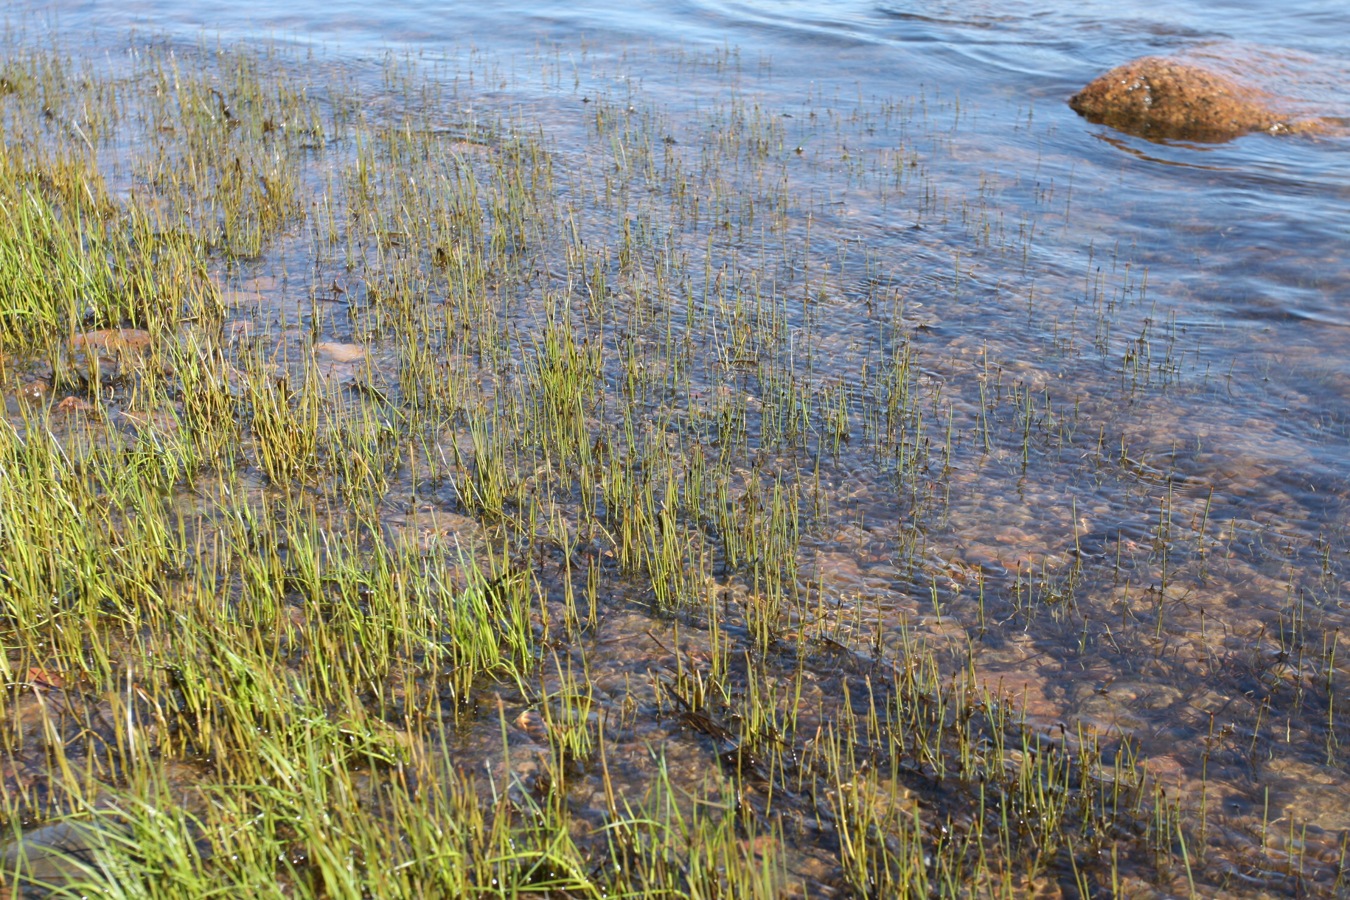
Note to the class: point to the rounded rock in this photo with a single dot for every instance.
(1163, 99)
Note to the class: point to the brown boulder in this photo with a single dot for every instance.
(1159, 98)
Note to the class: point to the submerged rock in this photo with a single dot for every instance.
(60, 854)
(1160, 98)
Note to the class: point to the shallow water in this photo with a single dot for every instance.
(1143, 348)
(1247, 232)
(1243, 241)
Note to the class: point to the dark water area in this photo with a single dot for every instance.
(1140, 351)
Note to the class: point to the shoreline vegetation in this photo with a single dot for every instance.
(393, 504)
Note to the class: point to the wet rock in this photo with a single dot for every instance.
(1160, 99)
(73, 405)
(1311, 794)
(112, 340)
(62, 853)
(533, 723)
(112, 351)
(34, 391)
(338, 361)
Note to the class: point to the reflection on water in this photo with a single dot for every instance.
(1128, 502)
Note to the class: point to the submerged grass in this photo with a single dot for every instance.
(474, 562)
